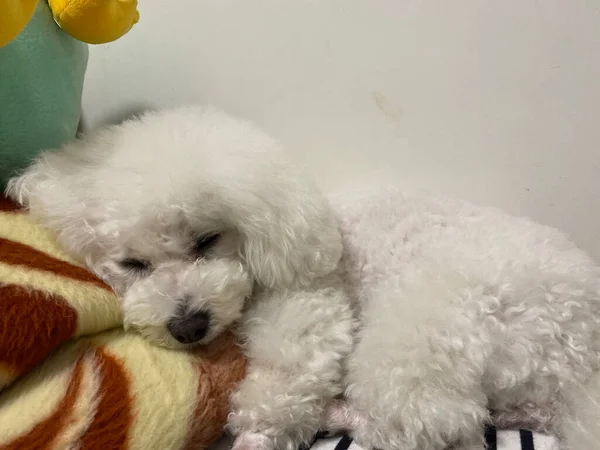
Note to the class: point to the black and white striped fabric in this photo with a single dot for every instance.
(495, 440)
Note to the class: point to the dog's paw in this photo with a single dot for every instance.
(340, 417)
(252, 441)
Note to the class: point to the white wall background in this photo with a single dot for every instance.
(497, 101)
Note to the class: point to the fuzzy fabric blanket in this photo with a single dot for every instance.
(70, 377)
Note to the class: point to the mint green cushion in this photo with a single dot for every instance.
(41, 80)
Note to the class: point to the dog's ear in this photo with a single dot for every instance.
(44, 188)
(40, 177)
(290, 235)
(22, 188)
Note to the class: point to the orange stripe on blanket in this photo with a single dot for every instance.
(219, 365)
(44, 433)
(7, 204)
(199, 433)
(32, 324)
(7, 375)
(110, 427)
(20, 254)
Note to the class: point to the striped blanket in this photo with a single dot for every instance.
(70, 377)
(494, 440)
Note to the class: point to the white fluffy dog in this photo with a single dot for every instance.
(431, 317)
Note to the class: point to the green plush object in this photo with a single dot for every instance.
(41, 80)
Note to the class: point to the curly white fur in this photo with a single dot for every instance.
(425, 312)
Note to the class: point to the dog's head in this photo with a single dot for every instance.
(183, 212)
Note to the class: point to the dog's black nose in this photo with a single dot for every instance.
(189, 328)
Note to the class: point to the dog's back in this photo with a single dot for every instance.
(520, 295)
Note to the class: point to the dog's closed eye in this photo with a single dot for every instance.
(136, 265)
(204, 243)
